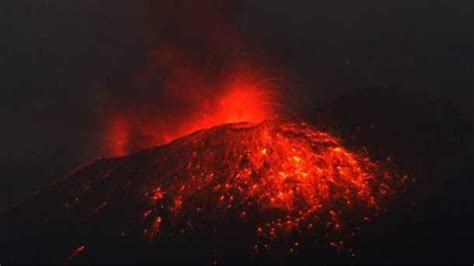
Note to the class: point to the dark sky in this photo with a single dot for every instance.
(61, 60)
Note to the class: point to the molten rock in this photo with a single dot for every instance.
(277, 178)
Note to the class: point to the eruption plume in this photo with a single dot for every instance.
(244, 97)
(197, 74)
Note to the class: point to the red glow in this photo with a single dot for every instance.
(197, 74)
(120, 134)
(285, 180)
(76, 252)
(304, 176)
(243, 98)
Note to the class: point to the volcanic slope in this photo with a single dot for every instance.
(252, 187)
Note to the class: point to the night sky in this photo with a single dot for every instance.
(64, 62)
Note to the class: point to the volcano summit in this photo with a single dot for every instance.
(249, 188)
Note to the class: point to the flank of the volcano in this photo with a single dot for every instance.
(279, 177)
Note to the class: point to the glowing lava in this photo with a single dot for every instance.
(287, 176)
(276, 183)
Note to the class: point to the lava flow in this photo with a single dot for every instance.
(275, 182)
(281, 177)
(295, 177)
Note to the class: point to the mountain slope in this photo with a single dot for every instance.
(242, 191)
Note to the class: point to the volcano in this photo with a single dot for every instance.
(235, 192)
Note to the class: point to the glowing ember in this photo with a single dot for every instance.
(276, 182)
(76, 252)
(297, 179)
